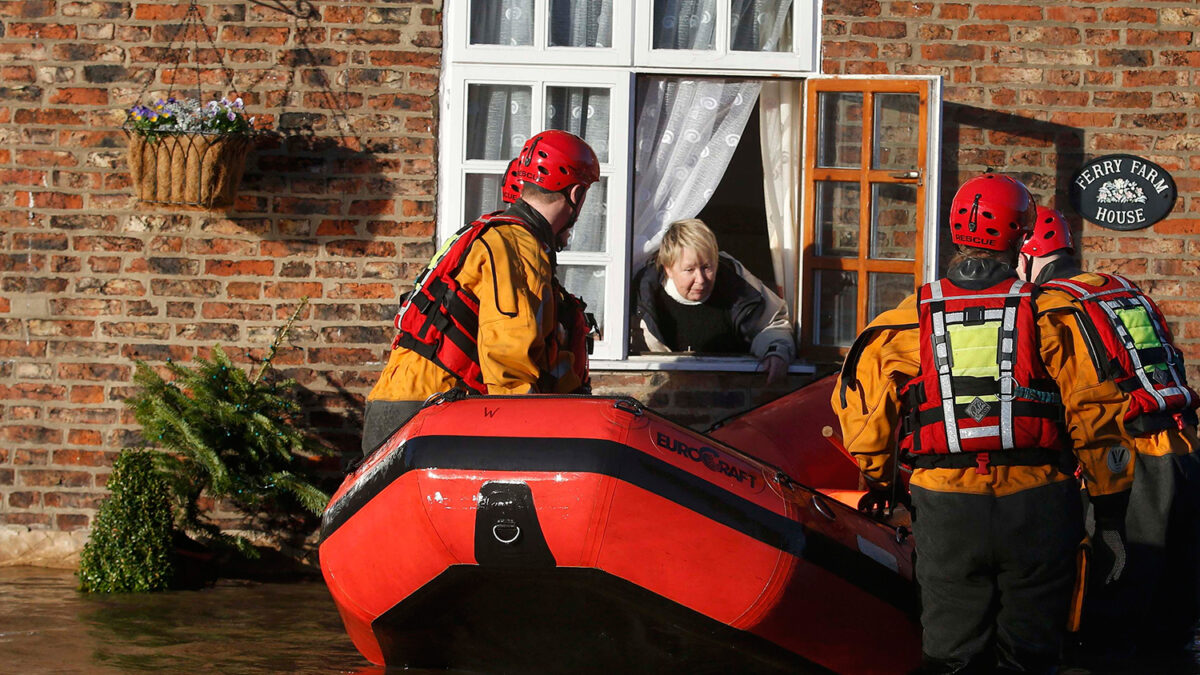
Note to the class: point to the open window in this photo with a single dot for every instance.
(869, 220)
(620, 74)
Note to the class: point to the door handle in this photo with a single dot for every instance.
(906, 174)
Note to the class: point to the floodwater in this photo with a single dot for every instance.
(46, 626)
(234, 627)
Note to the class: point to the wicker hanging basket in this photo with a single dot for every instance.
(187, 169)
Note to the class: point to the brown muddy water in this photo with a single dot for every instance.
(46, 626)
(234, 627)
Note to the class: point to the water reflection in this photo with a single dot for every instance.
(234, 627)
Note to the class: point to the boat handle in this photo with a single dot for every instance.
(506, 531)
(629, 405)
(822, 508)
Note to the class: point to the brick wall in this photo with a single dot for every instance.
(338, 200)
(337, 204)
(1039, 87)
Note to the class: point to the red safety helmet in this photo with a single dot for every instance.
(991, 211)
(510, 185)
(555, 160)
(1050, 233)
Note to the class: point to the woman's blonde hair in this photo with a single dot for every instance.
(691, 233)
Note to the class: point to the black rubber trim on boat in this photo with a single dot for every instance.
(584, 455)
(549, 455)
(498, 621)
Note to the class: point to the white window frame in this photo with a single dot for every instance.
(458, 42)
(803, 57)
(618, 67)
(456, 167)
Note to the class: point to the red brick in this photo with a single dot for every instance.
(69, 522)
(1071, 14)
(79, 96)
(229, 310)
(1159, 37)
(1008, 13)
(87, 394)
(293, 290)
(30, 435)
(83, 437)
(228, 268)
(163, 12)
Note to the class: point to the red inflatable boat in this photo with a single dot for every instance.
(571, 534)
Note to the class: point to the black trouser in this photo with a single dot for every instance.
(382, 418)
(1154, 604)
(996, 575)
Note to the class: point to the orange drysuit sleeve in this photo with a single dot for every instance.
(1094, 406)
(870, 415)
(509, 273)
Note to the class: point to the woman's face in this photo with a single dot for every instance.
(692, 275)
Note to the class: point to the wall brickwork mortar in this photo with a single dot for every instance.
(338, 203)
(1036, 88)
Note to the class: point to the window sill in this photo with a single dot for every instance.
(726, 364)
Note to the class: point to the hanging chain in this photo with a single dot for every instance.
(192, 21)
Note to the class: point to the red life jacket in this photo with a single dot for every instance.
(580, 328)
(1134, 332)
(439, 320)
(981, 387)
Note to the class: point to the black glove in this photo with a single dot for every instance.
(1108, 550)
(1108, 540)
(878, 502)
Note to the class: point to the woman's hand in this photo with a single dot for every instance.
(775, 367)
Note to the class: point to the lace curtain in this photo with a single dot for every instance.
(688, 129)
(779, 127)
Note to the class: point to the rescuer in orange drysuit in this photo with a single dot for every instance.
(991, 394)
(1154, 604)
(488, 314)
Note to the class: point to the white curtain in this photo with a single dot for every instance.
(581, 23)
(502, 22)
(759, 25)
(687, 131)
(779, 126)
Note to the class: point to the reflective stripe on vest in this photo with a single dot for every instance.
(1005, 350)
(1113, 308)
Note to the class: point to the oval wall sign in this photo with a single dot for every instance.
(1122, 192)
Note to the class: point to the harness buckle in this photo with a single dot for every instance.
(981, 463)
(973, 316)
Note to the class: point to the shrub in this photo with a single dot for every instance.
(129, 549)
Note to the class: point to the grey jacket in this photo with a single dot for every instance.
(760, 316)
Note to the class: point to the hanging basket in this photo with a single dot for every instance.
(187, 169)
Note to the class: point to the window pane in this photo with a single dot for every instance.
(581, 23)
(835, 307)
(502, 22)
(761, 26)
(885, 290)
(837, 218)
(685, 24)
(896, 133)
(586, 281)
(589, 232)
(839, 129)
(893, 221)
(583, 111)
(498, 121)
(483, 195)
